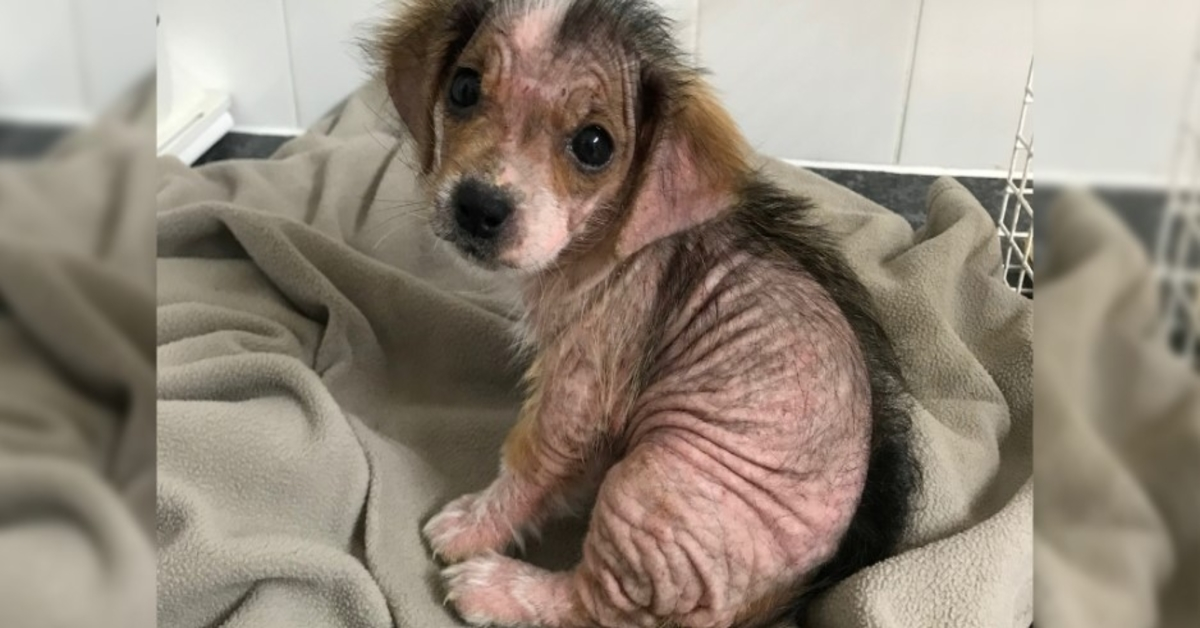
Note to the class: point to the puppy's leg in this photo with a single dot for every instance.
(551, 460)
(494, 590)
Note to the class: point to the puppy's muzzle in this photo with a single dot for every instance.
(481, 210)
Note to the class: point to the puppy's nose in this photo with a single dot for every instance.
(481, 209)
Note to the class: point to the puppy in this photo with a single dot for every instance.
(707, 370)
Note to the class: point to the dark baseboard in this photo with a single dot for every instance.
(28, 141)
(243, 146)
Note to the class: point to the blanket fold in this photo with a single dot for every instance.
(77, 397)
(1118, 432)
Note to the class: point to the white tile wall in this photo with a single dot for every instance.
(908, 82)
(1110, 97)
(686, 14)
(813, 79)
(326, 62)
(62, 61)
(968, 80)
(240, 47)
(116, 41)
(40, 78)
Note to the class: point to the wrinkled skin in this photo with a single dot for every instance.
(734, 472)
(713, 404)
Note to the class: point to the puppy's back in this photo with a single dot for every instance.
(776, 226)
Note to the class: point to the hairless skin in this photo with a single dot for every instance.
(707, 371)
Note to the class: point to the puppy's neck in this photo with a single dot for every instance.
(557, 297)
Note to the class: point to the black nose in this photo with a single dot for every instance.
(480, 209)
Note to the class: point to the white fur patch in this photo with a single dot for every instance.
(535, 28)
(544, 231)
(477, 573)
(439, 132)
(522, 588)
(470, 584)
(456, 519)
(542, 221)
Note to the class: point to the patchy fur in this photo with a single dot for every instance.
(709, 372)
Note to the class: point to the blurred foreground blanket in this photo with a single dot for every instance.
(329, 375)
(1118, 436)
(77, 377)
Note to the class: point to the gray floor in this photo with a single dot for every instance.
(27, 141)
(905, 194)
(243, 146)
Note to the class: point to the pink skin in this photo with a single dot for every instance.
(742, 463)
(529, 78)
(730, 468)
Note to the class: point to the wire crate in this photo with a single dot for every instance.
(1015, 225)
(1177, 251)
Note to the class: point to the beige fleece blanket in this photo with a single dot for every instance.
(77, 378)
(329, 375)
(1118, 436)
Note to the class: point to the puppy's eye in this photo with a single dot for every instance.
(593, 147)
(464, 90)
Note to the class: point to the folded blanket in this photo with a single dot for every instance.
(330, 375)
(77, 378)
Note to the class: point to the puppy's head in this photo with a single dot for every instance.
(549, 129)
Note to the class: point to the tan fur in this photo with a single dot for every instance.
(408, 49)
(701, 132)
(518, 452)
(713, 136)
(699, 160)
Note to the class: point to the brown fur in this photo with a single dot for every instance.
(677, 161)
(699, 163)
(518, 453)
(413, 48)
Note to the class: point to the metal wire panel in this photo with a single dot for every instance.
(1177, 253)
(1016, 214)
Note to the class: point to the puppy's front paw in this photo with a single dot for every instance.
(479, 591)
(468, 526)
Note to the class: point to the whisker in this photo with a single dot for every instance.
(402, 201)
(392, 219)
(385, 238)
(409, 208)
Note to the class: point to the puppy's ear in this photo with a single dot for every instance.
(693, 158)
(417, 51)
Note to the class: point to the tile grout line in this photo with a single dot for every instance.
(912, 71)
(85, 84)
(287, 37)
